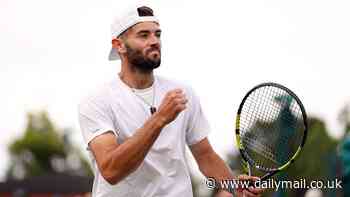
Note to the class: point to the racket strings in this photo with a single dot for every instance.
(260, 148)
(271, 126)
(268, 111)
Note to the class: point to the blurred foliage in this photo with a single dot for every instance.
(318, 160)
(344, 153)
(344, 149)
(44, 149)
(319, 147)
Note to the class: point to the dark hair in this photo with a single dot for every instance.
(142, 11)
(145, 11)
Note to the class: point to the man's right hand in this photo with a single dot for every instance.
(173, 103)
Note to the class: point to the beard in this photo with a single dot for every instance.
(142, 62)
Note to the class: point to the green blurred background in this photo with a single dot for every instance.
(53, 52)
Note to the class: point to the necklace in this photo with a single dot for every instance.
(152, 108)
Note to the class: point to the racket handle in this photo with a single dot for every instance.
(263, 178)
(250, 183)
(268, 175)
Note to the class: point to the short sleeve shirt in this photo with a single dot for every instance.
(164, 171)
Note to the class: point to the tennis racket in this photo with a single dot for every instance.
(271, 129)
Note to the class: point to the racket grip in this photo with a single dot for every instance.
(263, 178)
(268, 175)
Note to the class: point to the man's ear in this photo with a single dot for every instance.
(119, 45)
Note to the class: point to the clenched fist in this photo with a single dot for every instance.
(173, 103)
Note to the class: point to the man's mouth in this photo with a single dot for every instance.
(153, 50)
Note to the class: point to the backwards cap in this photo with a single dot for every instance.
(123, 22)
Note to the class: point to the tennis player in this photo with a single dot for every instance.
(137, 126)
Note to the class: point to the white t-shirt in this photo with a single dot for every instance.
(164, 171)
(147, 95)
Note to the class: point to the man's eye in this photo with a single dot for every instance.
(143, 35)
(158, 35)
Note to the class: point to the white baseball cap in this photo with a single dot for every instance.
(121, 23)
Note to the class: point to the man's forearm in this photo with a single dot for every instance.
(128, 156)
(211, 165)
(214, 166)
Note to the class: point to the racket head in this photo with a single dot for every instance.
(271, 127)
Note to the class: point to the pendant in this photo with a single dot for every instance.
(153, 110)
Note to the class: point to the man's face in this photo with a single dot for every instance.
(143, 46)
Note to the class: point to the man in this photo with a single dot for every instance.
(137, 126)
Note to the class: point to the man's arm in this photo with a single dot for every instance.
(211, 165)
(209, 162)
(116, 161)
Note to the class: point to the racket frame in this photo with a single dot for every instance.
(247, 160)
